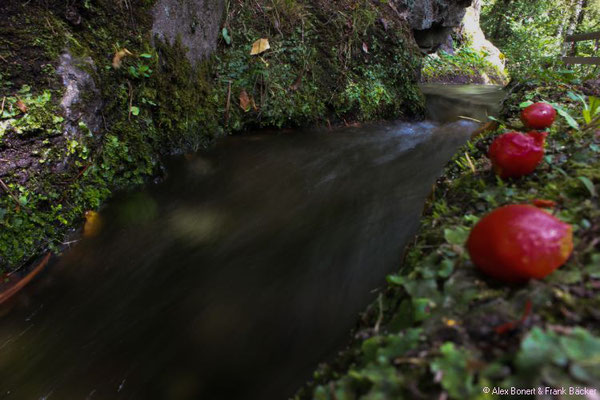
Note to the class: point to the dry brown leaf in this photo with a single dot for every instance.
(298, 82)
(365, 48)
(118, 58)
(245, 102)
(260, 46)
(21, 106)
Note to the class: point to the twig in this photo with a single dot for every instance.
(4, 296)
(130, 99)
(470, 162)
(228, 104)
(2, 107)
(9, 192)
(50, 25)
(380, 317)
(469, 119)
(4, 59)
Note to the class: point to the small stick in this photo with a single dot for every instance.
(469, 119)
(50, 25)
(4, 296)
(380, 317)
(470, 162)
(9, 192)
(2, 107)
(4, 59)
(228, 105)
(130, 99)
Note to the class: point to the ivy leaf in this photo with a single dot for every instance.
(565, 114)
(589, 185)
(457, 235)
(526, 104)
(456, 376)
(446, 268)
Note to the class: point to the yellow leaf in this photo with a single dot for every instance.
(260, 46)
(118, 58)
(93, 224)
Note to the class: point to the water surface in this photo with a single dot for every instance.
(233, 278)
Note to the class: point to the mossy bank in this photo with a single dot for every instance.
(141, 99)
(442, 330)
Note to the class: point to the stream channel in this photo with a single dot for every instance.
(239, 273)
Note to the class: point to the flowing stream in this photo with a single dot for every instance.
(238, 274)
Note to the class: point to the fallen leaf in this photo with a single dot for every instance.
(21, 106)
(260, 46)
(543, 203)
(93, 224)
(365, 48)
(589, 185)
(296, 85)
(118, 58)
(245, 102)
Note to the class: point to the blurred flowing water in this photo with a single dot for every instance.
(234, 277)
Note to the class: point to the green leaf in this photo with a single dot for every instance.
(446, 268)
(593, 268)
(526, 104)
(540, 348)
(570, 120)
(581, 346)
(587, 116)
(395, 280)
(146, 55)
(226, 36)
(577, 97)
(589, 185)
(457, 235)
(422, 308)
(457, 379)
(135, 110)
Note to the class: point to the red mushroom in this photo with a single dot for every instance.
(538, 116)
(515, 154)
(518, 242)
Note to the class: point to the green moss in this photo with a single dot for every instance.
(327, 62)
(335, 63)
(465, 66)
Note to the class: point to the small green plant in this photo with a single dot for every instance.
(591, 110)
(141, 70)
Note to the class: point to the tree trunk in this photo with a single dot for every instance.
(575, 21)
(565, 18)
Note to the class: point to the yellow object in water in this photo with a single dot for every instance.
(93, 224)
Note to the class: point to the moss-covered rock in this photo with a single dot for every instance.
(139, 98)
